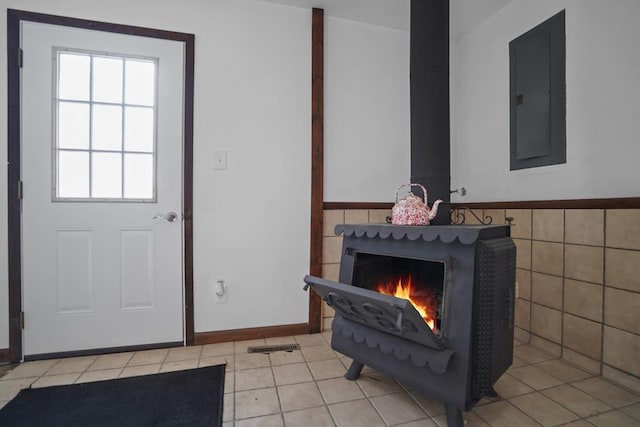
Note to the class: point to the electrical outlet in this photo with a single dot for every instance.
(220, 291)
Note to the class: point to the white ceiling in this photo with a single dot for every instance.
(468, 14)
(465, 14)
(384, 13)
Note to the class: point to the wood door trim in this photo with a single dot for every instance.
(317, 163)
(608, 203)
(14, 17)
(604, 203)
(329, 206)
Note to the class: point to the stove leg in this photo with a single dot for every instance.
(354, 371)
(491, 392)
(454, 416)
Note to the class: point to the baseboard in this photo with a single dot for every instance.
(250, 333)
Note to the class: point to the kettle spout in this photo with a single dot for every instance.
(434, 209)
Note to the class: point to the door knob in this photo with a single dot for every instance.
(169, 216)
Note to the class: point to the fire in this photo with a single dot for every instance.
(426, 306)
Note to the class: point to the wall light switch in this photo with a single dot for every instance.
(220, 289)
(220, 160)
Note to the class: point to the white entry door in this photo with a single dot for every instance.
(102, 138)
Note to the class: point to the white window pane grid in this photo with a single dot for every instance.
(74, 80)
(139, 81)
(138, 129)
(138, 168)
(73, 125)
(106, 175)
(107, 79)
(73, 177)
(105, 127)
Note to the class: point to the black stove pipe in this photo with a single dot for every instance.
(430, 137)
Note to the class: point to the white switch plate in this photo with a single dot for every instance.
(220, 160)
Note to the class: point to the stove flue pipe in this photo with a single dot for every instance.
(430, 141)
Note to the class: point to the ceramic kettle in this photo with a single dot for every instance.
(412, 210)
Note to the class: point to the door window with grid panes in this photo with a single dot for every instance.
(105, 127)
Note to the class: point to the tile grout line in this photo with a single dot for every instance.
(571, 383)
(604, 289)
(366, 396)
(275, 384)
(326, 406)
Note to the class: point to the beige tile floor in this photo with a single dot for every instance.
(307, 388)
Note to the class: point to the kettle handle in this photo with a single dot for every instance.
(424, 191)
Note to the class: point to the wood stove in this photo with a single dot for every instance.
(449, 330)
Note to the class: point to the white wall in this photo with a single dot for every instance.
(251, 228)
(252, 98)
(603, 86)
(367, 127)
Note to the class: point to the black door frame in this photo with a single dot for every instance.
(14, 18)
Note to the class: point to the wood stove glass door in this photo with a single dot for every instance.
(420, 281)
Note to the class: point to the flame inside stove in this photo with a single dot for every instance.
(404, 288)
